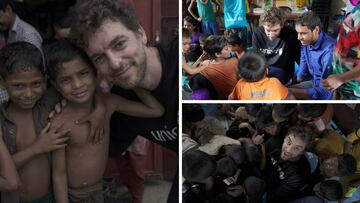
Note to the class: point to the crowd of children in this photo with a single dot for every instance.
(297, 59)
(270, 153)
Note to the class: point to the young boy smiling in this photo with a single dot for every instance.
(78, 169)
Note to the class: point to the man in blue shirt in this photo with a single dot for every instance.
(316, 58)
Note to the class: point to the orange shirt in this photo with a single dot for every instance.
(265, 89)
(223, 76)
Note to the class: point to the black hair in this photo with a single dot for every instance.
(264, 117)
(193, 53)
(20, 57)
(203, 37)
(192, 112)
(312, 110)
(186, 33)
(225, 167)
(284, 110)
(214, 44)
(347, 164)
(235, 152)
(304, 132)
(331, 190)
(194, 22)
(60, 52)
(4, 3)
(197, 166)
(252, 66)
(234, 39)
(309, 19)
(253, 155)
(255, 189)
(252, 109)
(63, 21)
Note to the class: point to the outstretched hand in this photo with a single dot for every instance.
(332, 82)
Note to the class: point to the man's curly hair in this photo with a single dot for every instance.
(89, 16)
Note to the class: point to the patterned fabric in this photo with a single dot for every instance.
(346, 52)
(22, 31)
(4, 97)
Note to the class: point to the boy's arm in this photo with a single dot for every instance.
(194, 70)
(49, 140)
(59, 176)
(9, 179)
(335, 81)
(147, 107)
(296, 93)
(192, 4)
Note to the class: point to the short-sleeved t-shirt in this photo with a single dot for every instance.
(163, 130)
(265, 89)
(223, 76)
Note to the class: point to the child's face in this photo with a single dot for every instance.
(25, 87)
(185, 44)
(76, 81)
(189, 26)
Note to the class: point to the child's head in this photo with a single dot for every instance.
(236, 43)
(216, 47)
(186, 40)
(62, 26)
(253, 155)
(197, 166)
(22, 74)
(235, 152)
(330, 190)
(252, 66)
(193, 53)
(265, 122)
(202, 39)
(225, 167)
(255, 189)
(191, 24)
(339, 165)
(70, 71)
(251, 110)
(283, 112)
(308, 112)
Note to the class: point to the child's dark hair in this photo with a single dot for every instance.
(264, 117)
(255, 189)
(252, 109)
(64, 20)
(203, 37)
(192, 112)
(253, 155)
(312, 110)
(331, 190)
(186, 33)
(194, 22)
(234, 39)
(284, 110)
(60, 52)
(225, 167)
(235, 152)
(252, 66)
(214, 44)
(20, 57)
(4, 3)
(347, 164)
(193, 53)
(197, 166)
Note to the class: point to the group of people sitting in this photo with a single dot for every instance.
(269, 153)
(284, 60)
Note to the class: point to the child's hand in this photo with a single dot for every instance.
(98, 125)
(258, 139)
(235, 191)
(57, 109)
(52, 138)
